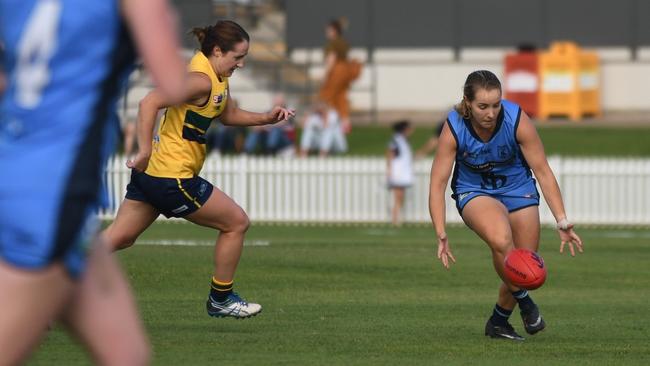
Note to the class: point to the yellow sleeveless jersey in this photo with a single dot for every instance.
(178, 149)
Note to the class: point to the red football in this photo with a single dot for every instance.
(525, 268)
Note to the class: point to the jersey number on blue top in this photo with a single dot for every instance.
(490, 180)
(35, 49)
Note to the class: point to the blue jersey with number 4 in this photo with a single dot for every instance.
(65, 62)
(496, 166)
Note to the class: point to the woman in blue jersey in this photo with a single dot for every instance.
(494, 147)
(64, 63)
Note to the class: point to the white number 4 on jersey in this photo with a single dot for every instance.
(35, 49)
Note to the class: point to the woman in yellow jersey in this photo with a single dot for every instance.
(164, 176)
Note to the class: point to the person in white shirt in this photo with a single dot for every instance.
(399, 167)
(322, 132)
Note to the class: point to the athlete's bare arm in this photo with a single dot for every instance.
(153, 27)
(533, 150)
(440, 172)
(235, 116)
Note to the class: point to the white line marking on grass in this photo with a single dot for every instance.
(624, 234)
(257, 243)
(616, 234)
(200, 243)
(381, 232)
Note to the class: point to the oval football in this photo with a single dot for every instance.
(525, 268)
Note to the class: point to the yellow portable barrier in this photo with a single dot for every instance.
(569, 82)
(589, 83)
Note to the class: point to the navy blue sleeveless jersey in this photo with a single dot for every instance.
(495, 167)
(65, 62)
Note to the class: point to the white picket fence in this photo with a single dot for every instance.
(353, 189)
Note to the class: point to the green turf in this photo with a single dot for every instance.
(558, 140)
(598, 141)
(377, 296)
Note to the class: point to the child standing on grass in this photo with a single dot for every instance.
(399, 167)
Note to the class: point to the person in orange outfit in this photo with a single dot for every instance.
(339, 72)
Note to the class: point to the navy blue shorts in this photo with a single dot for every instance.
(173, 197)
(513, 201)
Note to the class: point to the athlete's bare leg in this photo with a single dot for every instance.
(104, 316)
(30, 301)
(525, 228)
(133, 217)
(490, 220)
(522, 231)
(99, 309)
(398, 202)
(222, 213)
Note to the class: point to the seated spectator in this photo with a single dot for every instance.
(272, 139)
(222, 139)
(322, 132)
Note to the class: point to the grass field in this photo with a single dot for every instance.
(377, 296)
(558, 140)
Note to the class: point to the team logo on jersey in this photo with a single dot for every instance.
(203, 188)
(156, 142)
(485, 151)
(180, 209)
(477, 152)
(217, 98)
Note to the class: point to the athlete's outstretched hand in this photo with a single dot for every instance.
(568, 236)
(444, 253)
(278, 114)
(139, 162)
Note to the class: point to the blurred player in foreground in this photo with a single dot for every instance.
(494, 146)
(65, 62)
(164, 176)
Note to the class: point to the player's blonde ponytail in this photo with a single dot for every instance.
(463, 109)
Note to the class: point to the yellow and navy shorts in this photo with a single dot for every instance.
(173, 197)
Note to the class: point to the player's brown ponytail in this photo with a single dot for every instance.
(224, 34)
(200, 33)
